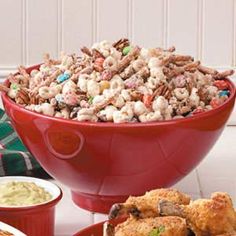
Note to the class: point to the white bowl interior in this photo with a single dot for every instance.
(10, 229)
(53, 189)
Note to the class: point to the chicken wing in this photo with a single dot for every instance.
(146, 205)
(164, 226)
(233, 234)
(206, 217)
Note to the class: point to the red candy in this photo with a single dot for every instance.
(221, 84)
(147, 100)
(215, 102)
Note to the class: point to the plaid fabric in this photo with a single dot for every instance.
(15, 159)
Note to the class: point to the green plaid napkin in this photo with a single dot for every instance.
(15, 159)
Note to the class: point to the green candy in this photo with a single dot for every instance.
(157, 231)
(14, 86)
(126, 50)
(90, 100)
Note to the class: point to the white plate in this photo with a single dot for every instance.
(10, 229)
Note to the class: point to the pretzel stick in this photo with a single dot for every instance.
(144, 72)
(181, 58)
(46, 82)
(207, 70)
(192, 66)
(86, 51)
(103, 104)
(127, 59)
(96, 53)
(122, 64)
(174, 72)
(181, 63)
(121, 43)
(224, 74)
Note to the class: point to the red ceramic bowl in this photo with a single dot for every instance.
(93, 230)
(97, 229)
(104, 163)
(35, 220)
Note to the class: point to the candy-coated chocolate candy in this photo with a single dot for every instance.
(224, 93)
(63, 77)
(15, 86)
(221, 84)
(126, 50)
(90, 101)
(104, 84)
(147, 100)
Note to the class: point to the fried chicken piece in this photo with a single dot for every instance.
(146, 205)
(233, 234)
(5, 233)
(206, 217)
(164, 226)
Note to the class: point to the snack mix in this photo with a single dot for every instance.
(5, 233)
(120, 83)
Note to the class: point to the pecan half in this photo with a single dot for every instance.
(162, 90)
(36, 100)
(22, 97)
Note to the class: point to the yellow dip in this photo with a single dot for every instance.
(22, 194)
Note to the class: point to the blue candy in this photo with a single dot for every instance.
(63, 77)
(224, 93)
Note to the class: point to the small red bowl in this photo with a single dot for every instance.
(35, 220)
(105, 163)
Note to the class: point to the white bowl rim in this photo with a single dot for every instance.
(10, 229)
(50, 187)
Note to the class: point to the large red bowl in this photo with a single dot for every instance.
(104, 163)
